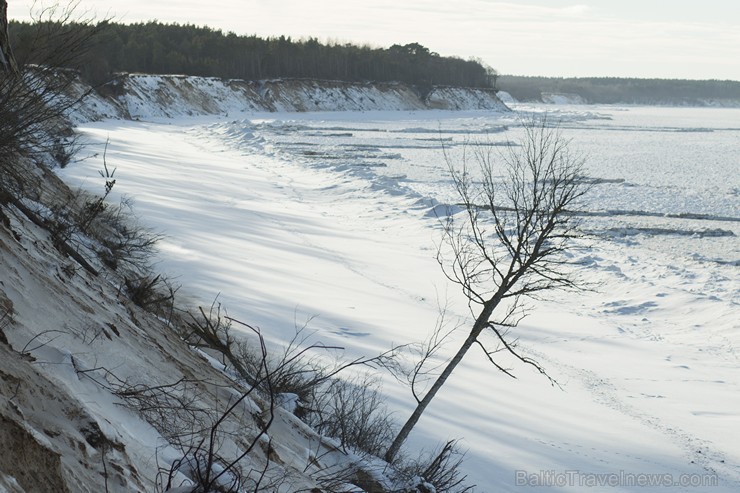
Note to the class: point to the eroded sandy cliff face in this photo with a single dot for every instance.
(153, 96)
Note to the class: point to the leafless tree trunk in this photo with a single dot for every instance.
(7, 60)
(510, 243)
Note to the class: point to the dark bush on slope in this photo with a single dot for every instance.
(34, 92)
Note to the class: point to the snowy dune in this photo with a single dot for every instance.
(282, 234)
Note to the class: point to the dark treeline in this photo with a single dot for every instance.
(158, 48)
(609, 90)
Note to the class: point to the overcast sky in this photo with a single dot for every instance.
(631, 38)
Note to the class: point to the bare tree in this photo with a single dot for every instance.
(510, 242)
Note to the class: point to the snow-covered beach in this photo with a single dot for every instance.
(328, 218)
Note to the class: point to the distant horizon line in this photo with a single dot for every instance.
(617, 77)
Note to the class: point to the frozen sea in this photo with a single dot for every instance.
(657, 171)
(328, 218)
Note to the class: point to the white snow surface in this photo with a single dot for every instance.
(325, 217)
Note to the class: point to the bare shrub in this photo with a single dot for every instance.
(294, 370)
(441, 469)
(124, 244)
(94, 206)
(352, 412)
(211, 330)
(214, 442)
(173, 409)
(154, 293)
(211, 465)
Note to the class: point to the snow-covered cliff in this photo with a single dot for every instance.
(98, 392)
(152, 96)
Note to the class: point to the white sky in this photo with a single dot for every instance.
(632, 38)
